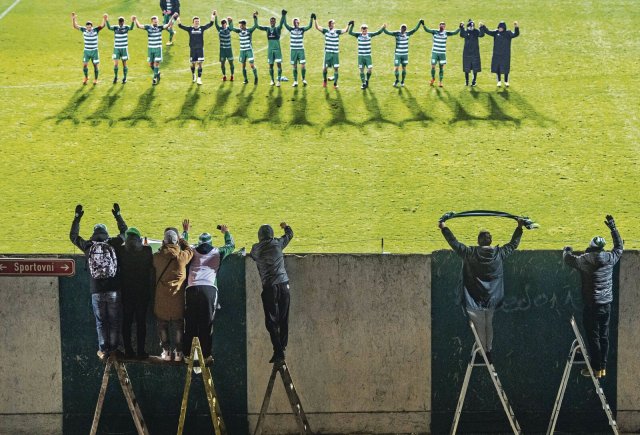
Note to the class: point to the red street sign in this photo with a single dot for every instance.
(37, 267)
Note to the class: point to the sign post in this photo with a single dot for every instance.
(37, 267)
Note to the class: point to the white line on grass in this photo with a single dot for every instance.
(9, 9)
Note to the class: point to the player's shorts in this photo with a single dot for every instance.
(297, 55)
(120, 53)
(440, 58)
(166, 18)
(401, 59)
(226, 54)
(365, 61)
(246, 55)
(274, 55)
(91, 55)
(154, 55)
(196, 55)
(331, 59)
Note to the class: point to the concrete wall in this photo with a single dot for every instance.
(31, 368)
(359, 344)
(629, 343)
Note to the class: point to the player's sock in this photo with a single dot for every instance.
(441, 73)
(295, 74)
(152, 69)
(279, 73)
(85, 70)
(233, 67)
(96, 72)
(125, 71)
(193, 70)
(200, 71)
(171, 32)
(115, 72)
(335, 78)
(156, 71)
(433, 73)
(255, 73)
(368, 76)
(362, 76)
(397, 74)
(404, 74)
(224, 69)
(324, 75)
(244, 74)
(304, 73)
(271, 72)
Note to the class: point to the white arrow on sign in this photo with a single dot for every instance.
(2, 267)
(65, 267)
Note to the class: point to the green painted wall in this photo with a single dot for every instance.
(531, 344)
(158, 388)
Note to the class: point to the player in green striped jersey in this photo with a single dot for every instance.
(90, 36)
(401, 56)
(121, 46)
(332, 49)
(154, 47)
(246, 49)
(439, 51)
(364, 52)
(274, 51)
(296, 36)
(226, 53)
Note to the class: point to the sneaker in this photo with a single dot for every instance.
(440, 85)
(199, 81)
(304, 82)
(499, 83)
(165, 355)
(324, 84)
(245, 82)
(178, 356)
(115, 80)
(366, 84)
(155, 81)
(169, 43)
(101, 355)
(124, 81)
(601, 373)
(473, 83)
(432, 82)
(278, 84)
(506, 84)
(224, 78)
(193, 78)
(85, 80)
(295, 84)
(231, 78)
(335, 86)
(95, 81)
(395, 84)
(402, 84)
(272, 83)
(330, 78)
(363, 86)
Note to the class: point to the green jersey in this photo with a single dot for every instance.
(90, 37)
(440, 39)
(296, 35)
(364, 41)
(402, 40)
(154, 35)
(121, 34)
(245, 36)
(224, 34)
(273, 34)
(331, 40)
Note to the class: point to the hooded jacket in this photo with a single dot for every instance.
(170, 263)
(596, 270)
(204, 266)
(268, 255)
(501, 59)
(137, 274)
(482, 270)
(471, 52)
(99, 235)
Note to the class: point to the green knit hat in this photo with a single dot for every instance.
(132, 231)
(597, 242)
(205, 238)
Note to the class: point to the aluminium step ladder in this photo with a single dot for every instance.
(294, 400)
(477, 348)
(209, 388)
(125, 383)
(578, 346)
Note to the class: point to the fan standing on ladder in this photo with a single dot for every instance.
(483, 278)
(596, 269)
(267, 254)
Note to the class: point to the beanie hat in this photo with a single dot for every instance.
(597, 242)
(503, 25)
(470, 23)
(205, 238)
(100, 228)
(132, 231)
(170, 237)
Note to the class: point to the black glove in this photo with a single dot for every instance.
(421, 22)
(79, 211)
(116, 209)
(568, 249)
(313, 16)
(284, 12)
(610, 222)
(351, 23)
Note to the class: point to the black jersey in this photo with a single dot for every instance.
(196, 36)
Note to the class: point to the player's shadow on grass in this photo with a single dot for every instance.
(336, 110)
(244, 102)
(299, 108)
(274, 103)
(222, 97)
(106, 104)
(141, 112)
(372, 105)
(418, 115)
(70, 111)
(188, 109)
(528, 111)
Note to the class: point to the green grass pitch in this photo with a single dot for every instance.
(344, 168)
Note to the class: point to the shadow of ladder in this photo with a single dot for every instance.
(292, 395)
(477, 347)
(125, 383)
(578, 345)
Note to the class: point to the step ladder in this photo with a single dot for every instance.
(475, 349)
(578, 345)
(294, 400)
(125, 383)
(209, 388)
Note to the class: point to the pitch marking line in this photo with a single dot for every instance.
(15, 3)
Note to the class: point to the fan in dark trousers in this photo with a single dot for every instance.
(102, 264)
(596, 269)
(267, 254)
(501, 59)
(483, 279)
(471, 53)
(137, 280)
(202, 290)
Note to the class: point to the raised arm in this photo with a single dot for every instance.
(133, 22)
(215, 20)
(288, 235)
(508, 249)
(173, 19)
(428, 30)
(310, 23)
(255, 22)
(74, 234)
(283, 19)
(459, 248)
(415, 29)
(108, 25)
(209, 25)
(486, 30)
(352, 33)
(463, 31)
(74, 21)
(618, 245)
(105, 17)
(138, 25)
(183, 27)
(387, 32)
(122, 226)
(346, 29)
(516, 32)
(455, 32)
(319, 28)
(378, 32)
(229, 243)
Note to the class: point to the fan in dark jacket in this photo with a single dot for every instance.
(169, 7)
(501, 59)
(269, 258)
(483, 279)
(105, 292)
(471, 52)
(137, 281)
(596, 269)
